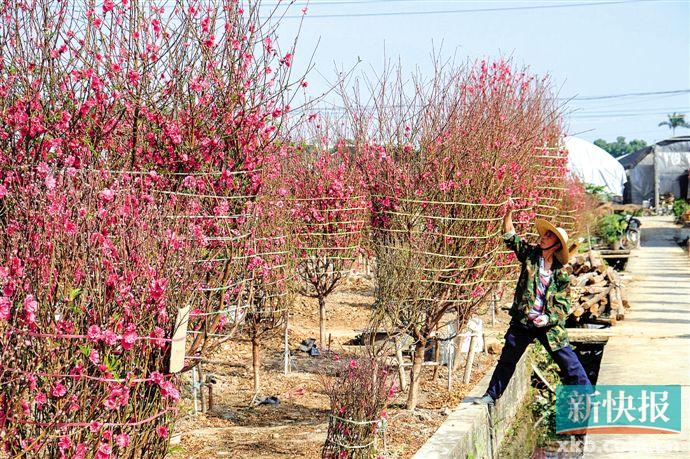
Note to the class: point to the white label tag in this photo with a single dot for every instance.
(179, 341)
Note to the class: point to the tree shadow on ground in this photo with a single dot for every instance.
(659, 237)
(287, 413)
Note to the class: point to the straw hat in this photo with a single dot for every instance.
(563, 254)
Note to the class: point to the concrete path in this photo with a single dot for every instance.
(652, 344)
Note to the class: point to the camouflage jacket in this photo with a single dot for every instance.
(557, 297)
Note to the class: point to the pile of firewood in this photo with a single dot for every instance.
(596, 290)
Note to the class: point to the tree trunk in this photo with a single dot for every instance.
(415, 376)
(437, 359)
(256, 362)
(322, 323)
(401, 368)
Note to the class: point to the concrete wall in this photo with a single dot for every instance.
(467, 432)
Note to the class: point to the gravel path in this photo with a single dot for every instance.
(652, 344)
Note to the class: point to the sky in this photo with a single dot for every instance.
(589, 48)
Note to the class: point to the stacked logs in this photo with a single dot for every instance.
(596, 290)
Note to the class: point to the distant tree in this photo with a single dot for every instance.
(675, 120)
(620, 147)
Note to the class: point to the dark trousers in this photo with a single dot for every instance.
(518, 337)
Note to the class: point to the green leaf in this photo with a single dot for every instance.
(85, 349)
(111, 363)
(74, 293)
(175, 449)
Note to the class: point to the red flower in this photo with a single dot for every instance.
(30, 308)
(108, 6)
(107, 195)
(4, 308)
(65, 443)
(58, 390)
(162, 431)
(40, 399)
(122, 440)
(94, 333)
(95, 426)
(104, 451)
(129, 337)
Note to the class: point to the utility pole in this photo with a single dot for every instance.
(656, 177)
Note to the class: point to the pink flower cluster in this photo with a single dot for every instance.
(107, 163)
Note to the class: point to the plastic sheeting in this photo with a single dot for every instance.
(672, 162)
(594, 165)
(672, 167)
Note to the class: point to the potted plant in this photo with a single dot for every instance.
(611, 228)
(680, 209)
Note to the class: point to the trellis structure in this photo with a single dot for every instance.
(330, 215)
(91, 365)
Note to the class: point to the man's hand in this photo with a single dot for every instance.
(508, 217)
(541, 321)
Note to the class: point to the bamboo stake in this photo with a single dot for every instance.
(470, 360)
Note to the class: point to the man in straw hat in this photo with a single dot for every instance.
(540, 306)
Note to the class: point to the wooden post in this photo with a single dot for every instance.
(437, 358)
(494, 304)
(470, 360)
(286, 352)
(201, 383)
(451, 362)
(195, 396)
(385, 443)
(210, 397)
(589, 238)
(256, 363)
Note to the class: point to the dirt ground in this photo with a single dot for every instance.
(297, 427)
